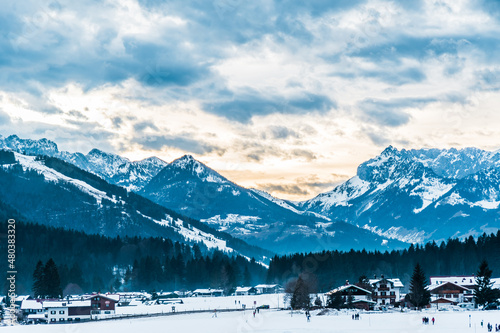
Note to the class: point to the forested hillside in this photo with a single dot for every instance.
(92, 263)
(329, 269)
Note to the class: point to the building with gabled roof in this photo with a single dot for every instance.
(450, 293)
(360, 297)
(386, 291)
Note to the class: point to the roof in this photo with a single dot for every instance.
(342, 288)
(207, 291)
(55, 304)
(113, 297)
(31, 304)
(267, 286)
(243, 289)
(442, 300)
(436, 286)
(364, 301)
(395, 282)
(464, 280)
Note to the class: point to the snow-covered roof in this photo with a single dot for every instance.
(266, 286)
(207, 291)
(21, 298)
(496, 283)
(465, 280)
(243, 289)
(342, 288)
(78, 303)
(435, 286)
(396, 282)
(55, 304)
(113, 297)
(31, 304)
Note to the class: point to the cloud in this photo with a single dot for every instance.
(390, 113)
(184, 142)
(303, 186)
(243, 107)
(283, 188)
(4, 118)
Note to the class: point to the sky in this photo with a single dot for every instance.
(284, 96)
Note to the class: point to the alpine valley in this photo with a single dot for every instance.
(398, 197)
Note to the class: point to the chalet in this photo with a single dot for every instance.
(245, 291)
(386, 291)
(103, 304)
(31, 306)
(467, 281)
(268, 289)
(64, 311)
(207, 293)
(449, 293)
(360, 298)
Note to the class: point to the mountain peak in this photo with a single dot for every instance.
(33, 147)
(390, 150)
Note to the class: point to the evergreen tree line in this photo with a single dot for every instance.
(327, 270)
(92, 263)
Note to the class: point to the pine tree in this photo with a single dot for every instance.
(38, 281)
(483, 291)
(335, 301)
(419, 296)
(247, 277)
(300, 297)
(51, 280)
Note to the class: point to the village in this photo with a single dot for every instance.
(382, 294)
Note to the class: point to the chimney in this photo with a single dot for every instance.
(346, 282)
(375, 276)
(382, 276)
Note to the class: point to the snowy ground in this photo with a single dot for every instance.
(273, 321)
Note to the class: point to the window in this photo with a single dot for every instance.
(52, 312)
(382, 293)
(52, 319)
(393, 293)
(61, 319)
(61, 312)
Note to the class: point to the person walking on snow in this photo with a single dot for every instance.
(433, 320)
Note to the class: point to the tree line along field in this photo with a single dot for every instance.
(328, 269)
(90, 263)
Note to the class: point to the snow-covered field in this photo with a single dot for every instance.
(273, 321)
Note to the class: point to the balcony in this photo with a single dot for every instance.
(383, 289)
(384, 297)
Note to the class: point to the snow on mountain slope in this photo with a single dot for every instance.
(133, 175)
(29, 162)
(418, 195)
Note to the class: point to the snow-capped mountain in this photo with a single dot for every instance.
(188, 186)
(419, 195)
(50, 191)
(133, 175)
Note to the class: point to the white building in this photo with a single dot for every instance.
(268, 289)
(449, 293)
(245, 291)
(64, 311)
(468, 281)
(207, 292)
(386, 291)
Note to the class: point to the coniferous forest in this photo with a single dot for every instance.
(330, 269)
(88, 263)
(93, 263)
